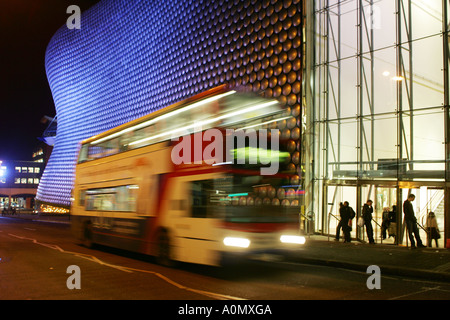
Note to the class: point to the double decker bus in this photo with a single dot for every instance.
(157, 186)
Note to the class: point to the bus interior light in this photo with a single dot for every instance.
(242, 194)
(164, 116)
(195, 127)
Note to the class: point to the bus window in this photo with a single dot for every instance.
(95, 151)
(121, 198)
(208, 198)
(83, 153)
(82, 198)
(199, 199)
(125, 139)
(112, 147)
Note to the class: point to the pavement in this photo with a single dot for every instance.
(426, 263)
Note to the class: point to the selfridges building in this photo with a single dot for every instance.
(366, 80)
(130, 58)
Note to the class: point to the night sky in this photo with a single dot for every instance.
(26, 27)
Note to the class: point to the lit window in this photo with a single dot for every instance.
(36, 181)
(37, 170)
(30, 180)
(23, 180)
(30, 170)
(24, 169)
(17, 180)
(18, 169)
(2, 172)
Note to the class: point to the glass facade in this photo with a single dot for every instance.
(376, 101)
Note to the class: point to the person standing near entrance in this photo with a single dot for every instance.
(367, 216)
(342, 214)
(432, 229)
(411, 222)
(347, 226)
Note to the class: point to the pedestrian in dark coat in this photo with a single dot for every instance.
(348, 215)
(340, 225)
(411, 222)
(367, 216)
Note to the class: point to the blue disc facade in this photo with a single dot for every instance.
(131, 58)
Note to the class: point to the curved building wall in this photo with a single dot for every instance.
(131, 58)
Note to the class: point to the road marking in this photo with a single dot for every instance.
(425, 289)
(443, 267)
(92, 258)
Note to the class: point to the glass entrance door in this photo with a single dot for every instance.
(385, 213)
(428, 208)
(337, 194)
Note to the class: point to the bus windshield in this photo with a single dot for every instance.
(245, 197)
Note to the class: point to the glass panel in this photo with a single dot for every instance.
(428, 89)
(385, 94)
(348, 88)
(347, 166)
(429, 147)
(426, 18)
(349, 16)
(384, 24)
(381, 161)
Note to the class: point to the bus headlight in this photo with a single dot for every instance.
(236, 242)
(292, 239)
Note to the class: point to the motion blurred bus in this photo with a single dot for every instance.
(156, 185)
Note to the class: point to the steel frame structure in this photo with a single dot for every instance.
(323, 105)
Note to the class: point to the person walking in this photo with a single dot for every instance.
(349, 214)
(392, 216)
(385, 222)
(411, 222)
(340, 226)
(432, 229)
(367, 216)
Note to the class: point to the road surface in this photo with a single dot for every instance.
(42, 261)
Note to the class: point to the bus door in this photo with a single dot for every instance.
(194, 220)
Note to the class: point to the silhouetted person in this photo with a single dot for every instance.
(367, 216)
(340, 225)
(392, 217)
(411, 222)
(432, 229)
(349, 214)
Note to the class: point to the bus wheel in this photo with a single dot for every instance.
(87, 235)
(163, 256)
